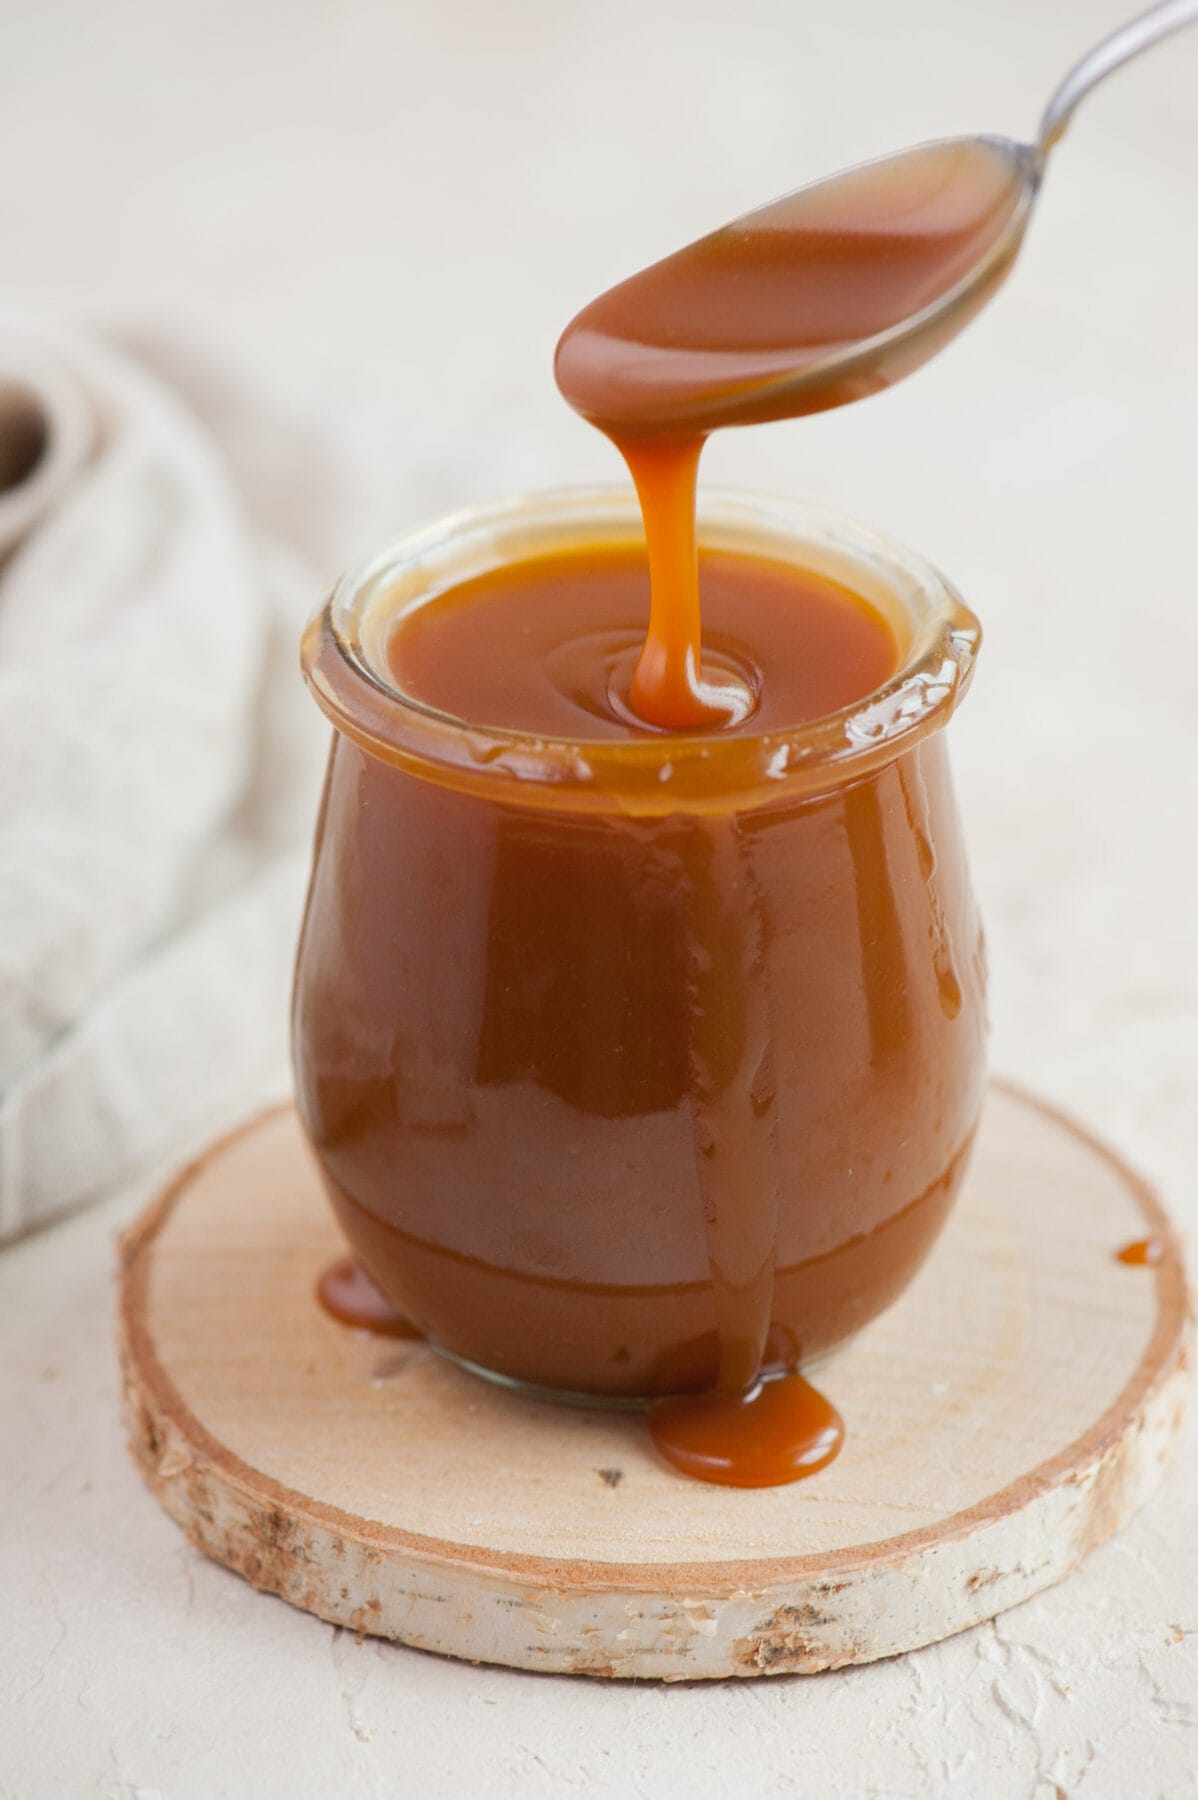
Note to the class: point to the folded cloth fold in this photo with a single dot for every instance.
(158, 767)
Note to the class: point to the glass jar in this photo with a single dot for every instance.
(606, 1046)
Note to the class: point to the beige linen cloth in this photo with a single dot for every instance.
(159, 759)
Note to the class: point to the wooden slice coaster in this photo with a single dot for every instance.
(1010, 1412)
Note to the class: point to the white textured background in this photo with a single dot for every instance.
(387, 212)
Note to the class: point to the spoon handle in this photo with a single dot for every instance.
(1128, 41)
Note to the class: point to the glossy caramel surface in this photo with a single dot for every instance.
(548, 647)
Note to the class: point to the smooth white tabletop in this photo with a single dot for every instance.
(387, 212)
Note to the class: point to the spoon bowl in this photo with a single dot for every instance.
(822, 297)
(831, 293)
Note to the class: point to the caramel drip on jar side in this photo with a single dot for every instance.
(918, 813)
(886, 984)
(747, 1431)
(734, 1097)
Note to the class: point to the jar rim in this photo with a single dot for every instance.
(658, 773)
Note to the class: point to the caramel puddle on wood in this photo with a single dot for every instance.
(348, 1295)
(781, 1431)
(1141, 1252)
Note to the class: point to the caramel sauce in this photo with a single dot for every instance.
(576, 1079)
(348, 1295)
(1144, 1251)
(548, 647)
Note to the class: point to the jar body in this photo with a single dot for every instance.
(574, 1077)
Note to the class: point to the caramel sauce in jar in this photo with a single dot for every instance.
(642, 1064)
(639, 1004)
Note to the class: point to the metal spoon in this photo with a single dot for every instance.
(831, 293)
